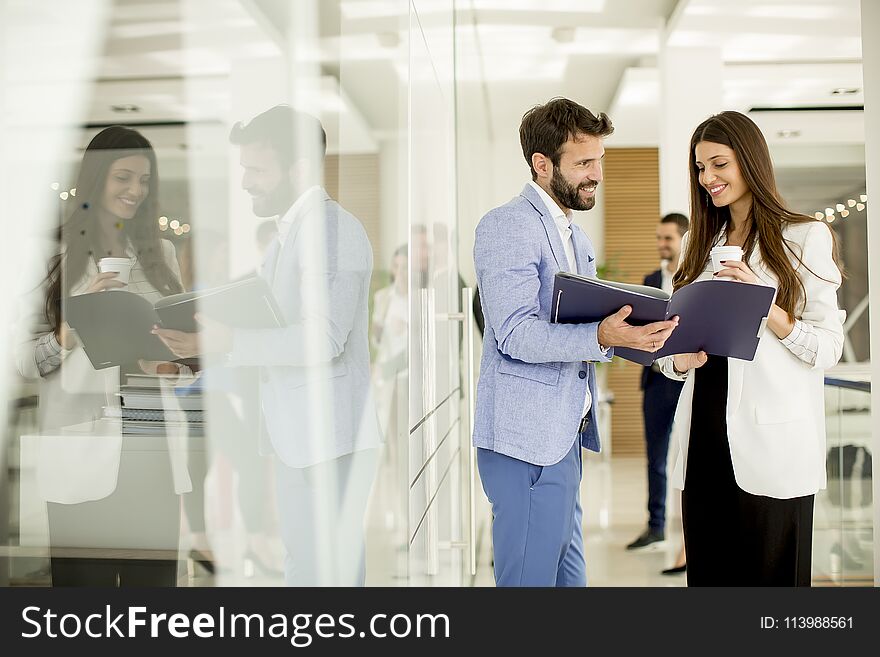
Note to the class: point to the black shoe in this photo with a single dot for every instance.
(675, 570)
(203, 560)
(648, 536)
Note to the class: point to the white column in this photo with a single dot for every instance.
(690, 91)
(871, 77)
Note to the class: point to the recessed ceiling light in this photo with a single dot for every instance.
(788, 134)
(125, 108)
(845, 91)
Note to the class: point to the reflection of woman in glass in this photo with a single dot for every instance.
(755, 456)
(114, 214)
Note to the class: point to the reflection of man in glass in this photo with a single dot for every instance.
(315, 371)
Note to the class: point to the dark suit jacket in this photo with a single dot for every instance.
(654, 279)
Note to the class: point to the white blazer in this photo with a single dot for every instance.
(775, 403)
(82, 467)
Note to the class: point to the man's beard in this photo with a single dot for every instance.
(567, 194)
(274, 202)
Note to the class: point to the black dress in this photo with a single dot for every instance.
(734, 538)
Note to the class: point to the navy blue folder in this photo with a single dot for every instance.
(723, 318)
(115, 326)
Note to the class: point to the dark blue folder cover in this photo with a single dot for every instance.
(723, 318)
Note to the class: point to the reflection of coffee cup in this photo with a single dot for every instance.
(122, 267)
(719, 253)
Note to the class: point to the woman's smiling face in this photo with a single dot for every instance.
(719, 173)
(126, 187)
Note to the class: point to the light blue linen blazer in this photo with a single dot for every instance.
(534, 374)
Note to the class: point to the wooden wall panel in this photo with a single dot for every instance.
(353, 181)
(632, 210)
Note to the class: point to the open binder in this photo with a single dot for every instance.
(114, 325)
(723, 318)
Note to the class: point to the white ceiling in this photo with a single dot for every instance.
(777, 53)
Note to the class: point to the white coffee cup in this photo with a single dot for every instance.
(719, 253)
(122, 267)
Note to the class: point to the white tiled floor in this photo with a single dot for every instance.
(613, 494)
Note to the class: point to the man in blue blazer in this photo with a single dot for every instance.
(536, 392)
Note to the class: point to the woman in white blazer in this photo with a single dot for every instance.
(114, 214)
(751, 435)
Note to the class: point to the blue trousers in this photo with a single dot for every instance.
(537, 532)
(658, 405)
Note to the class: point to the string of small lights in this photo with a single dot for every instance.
(842, 210)
(165, 223)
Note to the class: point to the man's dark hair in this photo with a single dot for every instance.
(678, 219)
(545, 128)
(282, 128)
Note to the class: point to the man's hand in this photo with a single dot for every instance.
(615, 332)
(217, 336)
(686, 362)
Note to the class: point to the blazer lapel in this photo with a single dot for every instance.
(315, 205)
(270, 262)
(532, 197)
(582, 254)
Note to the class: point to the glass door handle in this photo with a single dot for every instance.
(466, 317)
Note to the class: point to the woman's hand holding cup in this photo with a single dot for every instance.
(105, 281)
(736, 270)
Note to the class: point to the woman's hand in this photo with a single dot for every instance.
(738, 271)
(65, 336)
(105, 281)
(779, 322)
(159, 367)
(683, 363)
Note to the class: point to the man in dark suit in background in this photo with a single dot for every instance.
(660, 393)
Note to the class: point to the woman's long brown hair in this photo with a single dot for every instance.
(768, 215)
(79, 237)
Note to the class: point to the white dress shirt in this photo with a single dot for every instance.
(285, 222)
(665, 277)
(563, 225)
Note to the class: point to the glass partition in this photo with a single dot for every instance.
(843, 538)
(242, 230)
